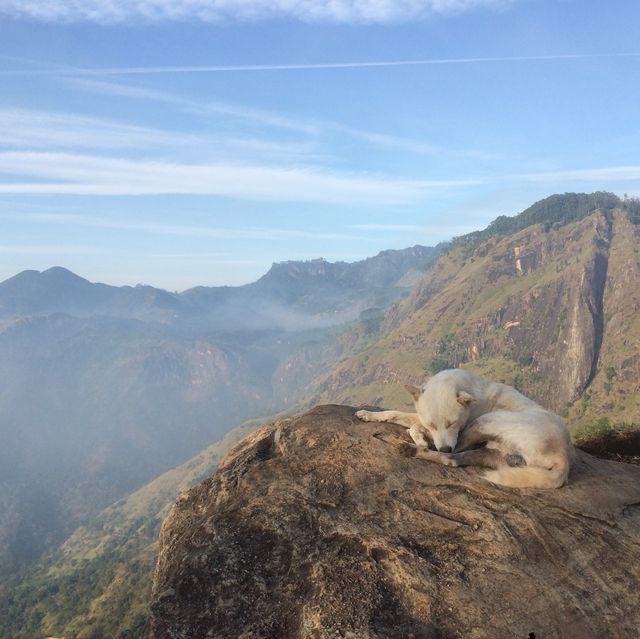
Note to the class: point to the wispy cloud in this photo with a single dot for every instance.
(409, 145)
(43, 130)
(83, 174)
(51, 131)
(186, 230)
(434, 232)
(598, 174)
(95, 175)
(29, 128)
(310, 128)
(47, 249)
(337, 11)
(387, 227)
(203, 107)
(413, 228)
(244, 68)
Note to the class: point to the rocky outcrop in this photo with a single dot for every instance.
(314, 527)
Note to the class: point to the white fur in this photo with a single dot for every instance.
(460, 411)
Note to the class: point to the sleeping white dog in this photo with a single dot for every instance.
(473, 421)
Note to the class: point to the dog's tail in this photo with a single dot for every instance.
(530, 476)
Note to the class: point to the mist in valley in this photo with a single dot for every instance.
(104, 388)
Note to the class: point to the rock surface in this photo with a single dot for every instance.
(313, 527)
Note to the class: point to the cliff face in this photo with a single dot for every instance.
(552, 311)
(615, 388)
(313, 527)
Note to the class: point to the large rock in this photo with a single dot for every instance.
(313, 527)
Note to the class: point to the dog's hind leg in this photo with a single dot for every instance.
(474, 435)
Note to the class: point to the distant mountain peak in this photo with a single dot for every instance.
(62, 274)
(313, 286)
(59, 270)
(59, 273)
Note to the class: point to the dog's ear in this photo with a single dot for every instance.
(464, 398)
(414, 390)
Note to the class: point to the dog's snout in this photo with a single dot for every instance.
(445, 449)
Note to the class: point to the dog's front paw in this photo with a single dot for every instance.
(365, 415)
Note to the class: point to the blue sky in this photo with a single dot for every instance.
(186, 142)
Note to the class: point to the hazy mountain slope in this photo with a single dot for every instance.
(553, 311)
(98, 583)
(299, 282)
(92, 409)
(300, 295)
(95, 405)
(58, 290)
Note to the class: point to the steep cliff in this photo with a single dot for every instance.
(614, 391)
(313, 527)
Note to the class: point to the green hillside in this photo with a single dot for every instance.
(552, 310)
(97, 585)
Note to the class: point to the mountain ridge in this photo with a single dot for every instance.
(480, 307)
(58, 289)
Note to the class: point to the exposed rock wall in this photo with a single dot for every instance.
(314, 528)
(585, 331)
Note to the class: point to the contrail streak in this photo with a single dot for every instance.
(306, 67)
